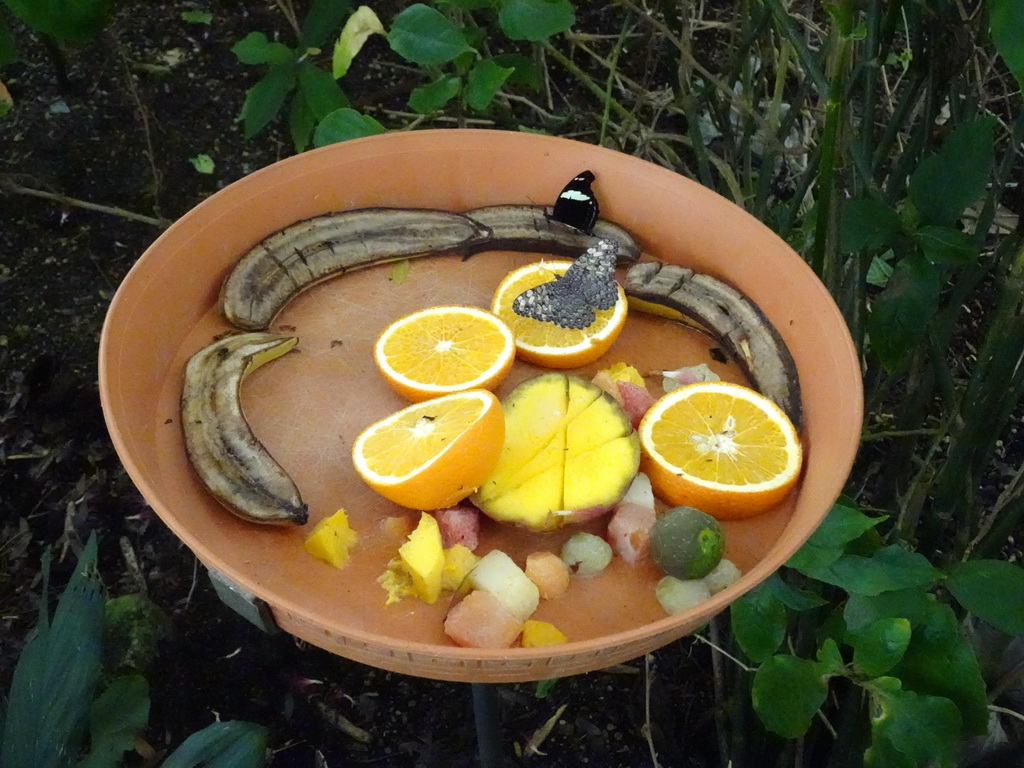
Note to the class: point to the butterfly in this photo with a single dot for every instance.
(569, 301)
(576, 204)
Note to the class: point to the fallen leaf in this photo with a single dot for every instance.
(357, 30)
(6, 102)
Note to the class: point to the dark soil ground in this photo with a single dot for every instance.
(151, 93)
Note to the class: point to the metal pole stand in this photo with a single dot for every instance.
(488, 729)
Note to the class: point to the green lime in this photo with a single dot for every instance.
(686, 543)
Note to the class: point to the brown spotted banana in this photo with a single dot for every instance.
(236, 468)
(746, 334)
(299, 256)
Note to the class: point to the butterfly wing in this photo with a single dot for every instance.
(555, 302)
(592, 275)
(576, 204)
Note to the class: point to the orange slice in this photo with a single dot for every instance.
(440, 350)
(435, 453)
(719, 447)
(546, 343)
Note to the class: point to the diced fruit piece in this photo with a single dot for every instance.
(636, 401)
(569, 454)
(721, 447)
(548, 344)
(459, 525)
(440, 350)
(537, 634)
(723, 575)
(586, 554)
(609, 378)
(498, 574)
(458, 562)
(549, 572)
(433, 454)
(423, 558)
(480, 620)
(677, 595)
(687, 543)
(689, 374)
(332, 539)
(629, 530)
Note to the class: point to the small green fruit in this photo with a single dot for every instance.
(687, 543)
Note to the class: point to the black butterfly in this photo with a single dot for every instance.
(576, 205)
(569, 300)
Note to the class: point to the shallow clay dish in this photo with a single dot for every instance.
(307, 407)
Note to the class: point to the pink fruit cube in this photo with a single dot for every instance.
(459, 525)
(480, 620)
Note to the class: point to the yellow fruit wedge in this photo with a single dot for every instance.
(569, 453)
(332, 539)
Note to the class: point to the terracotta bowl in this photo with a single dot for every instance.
(308, 407)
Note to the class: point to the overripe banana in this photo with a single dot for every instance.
(531, 228)
(304, 254)
(237, 469)
(746, 334)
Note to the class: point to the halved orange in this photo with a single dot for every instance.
(433, 454)
(547, 344)
(441, 350)
(722, 448)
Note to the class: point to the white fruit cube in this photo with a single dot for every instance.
(497, 574)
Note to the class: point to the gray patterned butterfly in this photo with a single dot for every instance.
(569, 301)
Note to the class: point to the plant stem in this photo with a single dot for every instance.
(14, 188)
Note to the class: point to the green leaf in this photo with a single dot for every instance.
(202, 163)
(946, 183)
(354, 34)
(197, 17)
(344, 124)
(254, 48)
(787, 692)
(924, 729)
(432, 97)
(830, 660)
(483, 82)
(992, 590)
(879, 647)
(841, 525)
(323, 18)
(524, 70)
(911, 604)
(425, 36)
(867, 223)
(940, 662)
(535, 20)
(116, 719)
(230, 744)
(54, 680)
(900, 315)
(321, 91)
(69, 21)
(758, 621)
(1006, 24)
(890, 568)
(880, 270)
(469, 5)
(790, 596)
(544, 687)
(8, 50)
(301, 122)
(946, 247)
(264, 100)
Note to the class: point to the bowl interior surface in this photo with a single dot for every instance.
(307, 407)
